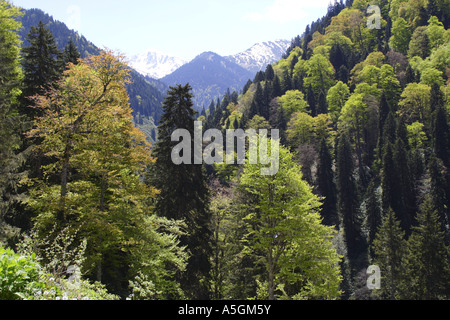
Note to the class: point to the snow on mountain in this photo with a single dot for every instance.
(261, 54)
(155, 64)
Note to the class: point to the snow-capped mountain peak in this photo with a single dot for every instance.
(261, 54)
(155, 64)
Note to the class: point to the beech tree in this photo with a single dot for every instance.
(284, 225)
(92, 186)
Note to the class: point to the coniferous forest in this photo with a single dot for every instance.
(90, 210)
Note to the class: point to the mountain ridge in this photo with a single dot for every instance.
(210, 75)
(155, 64)
(260, 55)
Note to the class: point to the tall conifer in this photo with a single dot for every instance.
(183, 191)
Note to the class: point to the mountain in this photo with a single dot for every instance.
(259, 56)
(210, 75)
(145, 99)
(155, 64)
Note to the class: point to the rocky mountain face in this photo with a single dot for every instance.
(210, 75)
(155, 64)
(259, 56)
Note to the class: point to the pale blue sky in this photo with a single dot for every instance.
(183, 28)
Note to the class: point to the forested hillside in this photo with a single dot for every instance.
(90, 210)
(365, 113)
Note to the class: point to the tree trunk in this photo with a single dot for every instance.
(271, 275)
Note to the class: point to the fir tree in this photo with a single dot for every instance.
(326, 186)
(10, 122)
(322, 107)
(440, 132)
(389, 130)
(258, 104)
(427, 266)
(276, 87)
(247, 86)
(439, 192)
(269, 74)
(347, 202)
(42, 64)
(71, 54)
(373, 212)
(389, 183)
(410, 76)
(389, 248)
(405, 204)
(311, 99)
(183, 191)
(286, 84)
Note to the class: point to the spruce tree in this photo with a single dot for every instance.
(71, 54)
(258, 103)
(276, 87)
(269, 74)
(389, 183)
(389, 248)
(183, 191)
(410, 76)
(373, 212)
(436, 97)
(322, 107)
(10, 77)
(383, 115)
(440, 131)
(347, 202)
(405, 192)
(439, 192)
(311, 99)
(389, 130)
(42, 64)
(427, 269)
(326, 186)
(286, 84)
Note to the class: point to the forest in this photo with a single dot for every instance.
(90, 210)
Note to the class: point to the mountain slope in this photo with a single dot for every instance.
(210, 75)
(259, 56)
(145, 99)
(155, 64)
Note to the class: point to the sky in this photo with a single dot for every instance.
(182, 28)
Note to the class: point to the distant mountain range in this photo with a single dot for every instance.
(210, 75)
(145, 98)
(155, 64)
(259, 56)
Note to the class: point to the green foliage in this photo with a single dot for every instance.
(183, 193)
(16, 274)
(369, 126)
(292, 101)
(426, 267)
(286, 221)
(401, 36)
(22, 278)
(336, 99)
(389, 248)
(11, 159)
